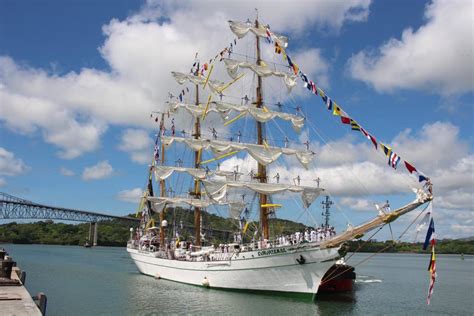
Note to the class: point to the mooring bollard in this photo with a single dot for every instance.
(41, 301)
(6, 270)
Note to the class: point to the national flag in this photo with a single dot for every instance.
(410, 168)
(354, 125)
(387, 150)
(393, 160)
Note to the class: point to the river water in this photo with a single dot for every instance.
(105, 281)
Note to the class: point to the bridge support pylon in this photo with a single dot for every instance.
(93, 233)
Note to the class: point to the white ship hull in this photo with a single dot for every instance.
(275, 269)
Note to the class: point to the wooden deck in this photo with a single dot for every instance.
(15, 299)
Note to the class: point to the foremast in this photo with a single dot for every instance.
(261, 169)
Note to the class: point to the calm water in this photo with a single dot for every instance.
(104, 281)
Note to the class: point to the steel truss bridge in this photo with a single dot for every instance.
(12, 207)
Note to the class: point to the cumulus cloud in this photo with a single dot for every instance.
(9, 165)
(358, 204)
(73, 111)
(101, 170)
(436, 57)
(138, 143)
(350, 170)
(131, 196)
(66, 172)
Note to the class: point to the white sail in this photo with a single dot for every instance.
(233, 66)
(214, 85)
(164, 172)
(240, 29)
(263, 154)
(160, 202)
(224, 108)
(217, 190)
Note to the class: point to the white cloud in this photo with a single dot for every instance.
(72, 111)
(131, 196)
(436, 57)
(101, 170)
(350, 170)
(358, 204)
(66, 172)
(3, 182)
(138, 143)
(9, 165)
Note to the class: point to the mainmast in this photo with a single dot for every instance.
(262, 170)
(197, 184)
(162, 184)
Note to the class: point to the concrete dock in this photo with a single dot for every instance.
(14, 297)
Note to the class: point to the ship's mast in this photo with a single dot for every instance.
(197, 184)
(326, 206)
(262, 170)
(162, 184)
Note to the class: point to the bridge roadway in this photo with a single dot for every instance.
(12, 207)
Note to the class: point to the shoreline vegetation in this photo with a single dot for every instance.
(116, 234)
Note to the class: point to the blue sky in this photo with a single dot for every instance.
(79, 79)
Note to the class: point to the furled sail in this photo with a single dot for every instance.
(214, 85)
(263, 154)
(224, 108)
(217, 190)
(159, 203)
(240, 29)
(164, 172)
(233, 66)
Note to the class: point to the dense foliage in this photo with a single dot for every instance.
(217, 229)
(446, 246)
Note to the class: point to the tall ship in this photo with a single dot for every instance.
(227, 161)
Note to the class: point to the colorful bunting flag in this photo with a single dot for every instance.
(387, 150)
(393, 160)
(278, 48)
(421, 178)
(328, 102)
(430, 240)
(410, 168)
(354, 125)
(370, 137)
(345, 119)
(337, 110)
